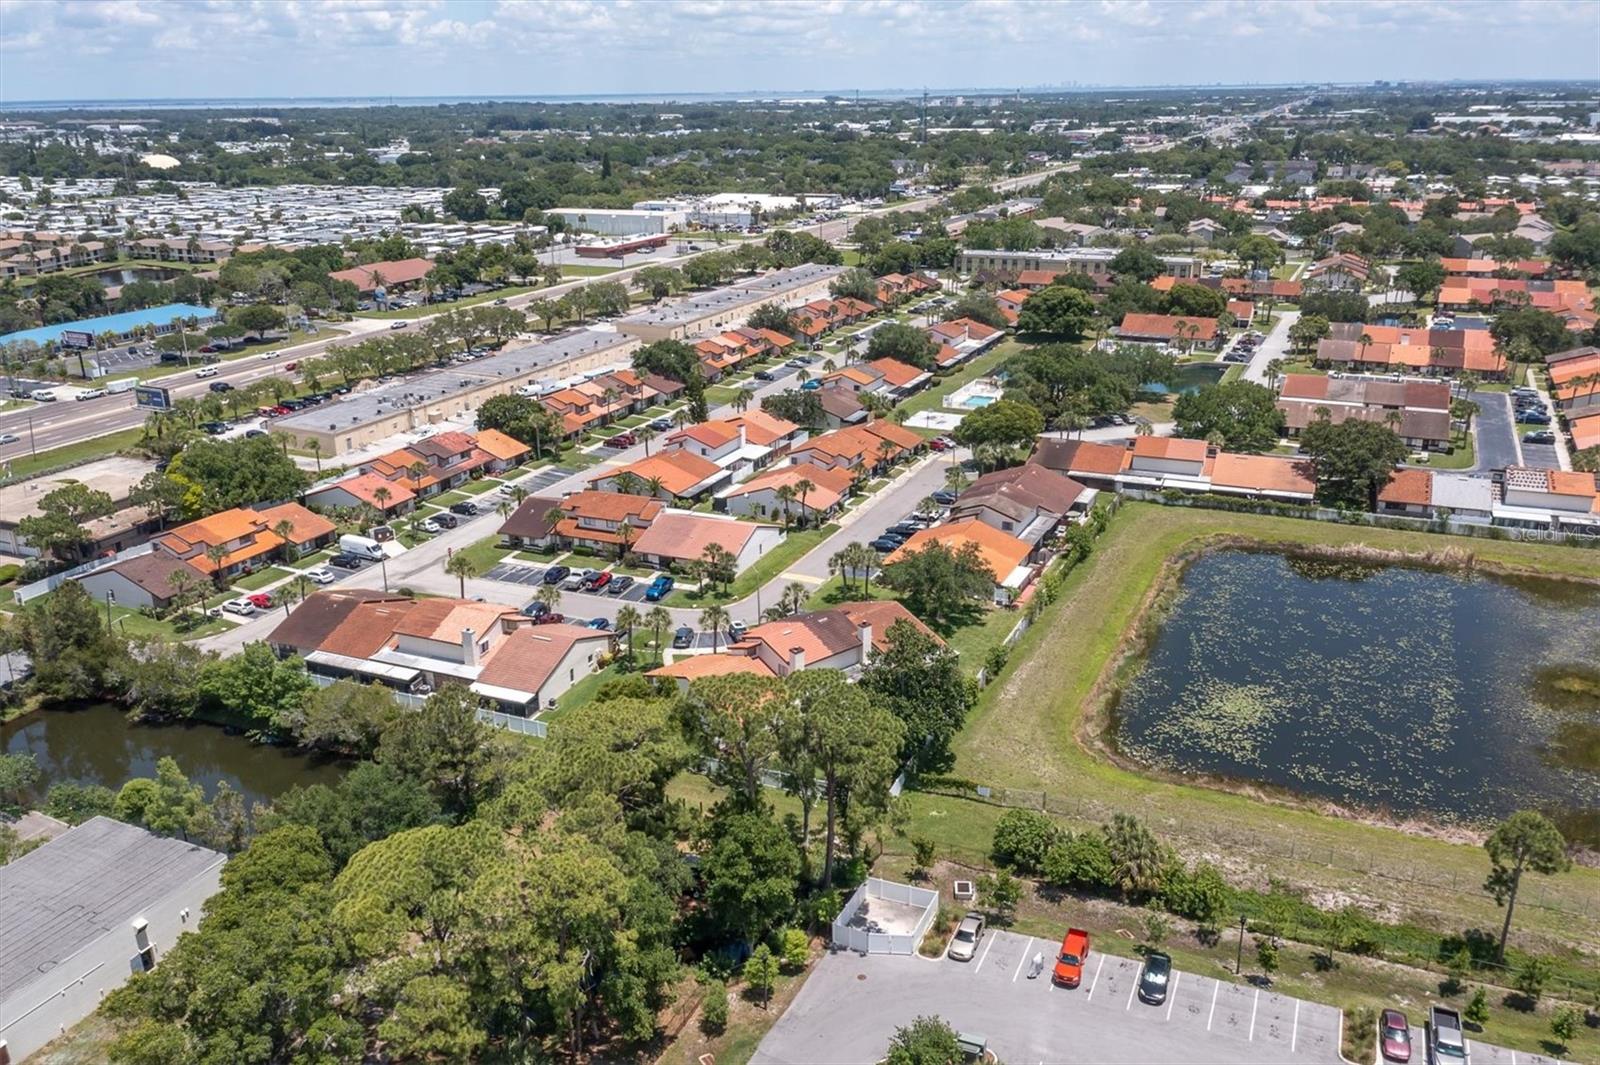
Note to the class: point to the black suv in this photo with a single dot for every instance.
(466, 507)
(557, 574)
(446, 520)
(345, 561)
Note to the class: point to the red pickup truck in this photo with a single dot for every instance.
(1069, 963)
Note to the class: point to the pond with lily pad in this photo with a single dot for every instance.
(1445, 695)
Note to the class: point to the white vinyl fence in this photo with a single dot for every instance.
(846, 936)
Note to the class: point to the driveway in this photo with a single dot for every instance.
(851, 1005)
(1274, 346)
(1496, 431)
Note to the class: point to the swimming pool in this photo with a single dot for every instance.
(978, 401)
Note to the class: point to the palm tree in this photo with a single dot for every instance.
(864, 562)
(381, 496)
(1143, 429)
(793, 598)
(785, 494)
(627, 482)
(624, 539)
(743, 398)
(657, 487)
(504, 509)
(417, 470)
(680, 417)
(644, 434)
(284, 530)
(658, 619)
(215, 553)
(713, 619)
(548, 595)
(802, 488)
(628, 619)
(461, 566)
(1364, 342)
(839, 564)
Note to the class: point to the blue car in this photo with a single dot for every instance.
(811, 386)
(658, 588)
(600, 623)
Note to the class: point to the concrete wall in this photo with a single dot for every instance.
(39, 1011)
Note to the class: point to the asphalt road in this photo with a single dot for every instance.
(1275, 345)
(851, 1005)
(1497, 442)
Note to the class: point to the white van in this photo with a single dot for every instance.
(361, 547)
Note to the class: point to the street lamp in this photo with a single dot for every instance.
(1238, 964)
(111, 597)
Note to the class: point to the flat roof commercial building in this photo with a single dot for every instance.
(1096, 262)
(364, 418)
(725, 307)
(83, 912)
(121, 325)
(609, 222)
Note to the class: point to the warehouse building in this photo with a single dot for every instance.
(365, 418)
(609, 222)
(724, 308)
(82, 913)
(1096, 262)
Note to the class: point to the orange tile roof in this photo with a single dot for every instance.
(1169, 447)
(897, 373)
(761, 428)
(1262, 473)
(368, 629)
(1165, 325)
(1408, 487)
(1001, 552)
(365, 485)
(443, 619)
(306, 526)
(500, 445)
(612, 506)
(693, 667)
(679, 471)
(679, 534)
(711, 434)
(1585, 431)
(828, 484)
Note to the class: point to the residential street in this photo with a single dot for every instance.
(1274, 346)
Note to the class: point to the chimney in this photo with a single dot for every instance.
(741, 436)
(469, 647)
(797, 659)
(864, 630)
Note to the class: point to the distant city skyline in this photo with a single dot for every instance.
(260, 49)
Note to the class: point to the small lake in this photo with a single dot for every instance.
(97, 745)
(1449, 696)
(1191, 377)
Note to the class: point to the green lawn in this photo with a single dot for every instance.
(261, 578)
(586, 270)
(1030, 731)
(171, 369)
(486, 553)
(130, 622)
(73, 454)
(1461, 457)
(789, 551)
(479, 486)
(932, 398)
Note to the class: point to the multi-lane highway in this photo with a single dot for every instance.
(52, 425)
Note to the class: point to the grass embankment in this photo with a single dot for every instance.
(408, 313)
(73, 454)
(1024, 735)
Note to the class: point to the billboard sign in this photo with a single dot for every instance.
(152, 397)
(76, 338)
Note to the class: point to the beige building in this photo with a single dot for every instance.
(362, 419)
(1096, 262)
(712, 312)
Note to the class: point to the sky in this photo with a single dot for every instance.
(145, 49)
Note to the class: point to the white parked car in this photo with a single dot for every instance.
(968, 934)
(321, 575)
(206, 371)
(239, 606)
(268, 355)
(91, 393)
(575, 581)
(10, 438)
(429, 526)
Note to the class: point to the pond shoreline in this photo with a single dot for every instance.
(1097, 728)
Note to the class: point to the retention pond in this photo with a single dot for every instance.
(1444, 695)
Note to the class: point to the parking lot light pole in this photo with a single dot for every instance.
(1238, 964)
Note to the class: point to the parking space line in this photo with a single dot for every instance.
(1096, 981)
(1172, 992)
(1294, 1035)
(1131, 990)
(1023, 960)
(1253, 1005)
(979, 967)
(1212, 1015)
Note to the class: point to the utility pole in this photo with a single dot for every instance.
(924, 115)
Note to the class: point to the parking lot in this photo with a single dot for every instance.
(851, 1005)
(1480, 1053)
